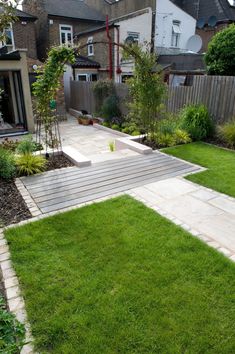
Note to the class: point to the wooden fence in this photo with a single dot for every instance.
(215, 92)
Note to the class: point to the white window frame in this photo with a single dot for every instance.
(90, 45)
(67, 43)
(3, 43)
(88, 77)
(175, 34)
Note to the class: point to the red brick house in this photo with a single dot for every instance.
(58, 21)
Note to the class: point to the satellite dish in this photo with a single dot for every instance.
(201, 23)
(212, 21)
(194, 44)
(129, 40)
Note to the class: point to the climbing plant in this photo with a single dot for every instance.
(46, 86)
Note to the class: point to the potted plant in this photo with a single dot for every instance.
(84, 120)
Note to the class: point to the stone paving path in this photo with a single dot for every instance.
(204, 212)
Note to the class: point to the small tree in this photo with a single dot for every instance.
(147, 90)
(220, 57)
(46, 87)
(7, 15)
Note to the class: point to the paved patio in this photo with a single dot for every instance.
(91, 142)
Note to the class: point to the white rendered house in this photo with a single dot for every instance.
(173, 28)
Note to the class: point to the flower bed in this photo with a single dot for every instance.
(12, 206)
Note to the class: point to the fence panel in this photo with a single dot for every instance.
(216, 92)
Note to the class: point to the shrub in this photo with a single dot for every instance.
(165, 139)
(115, 127)
(12, 333)
(30, 164)
(126, 130)
(26, 146)
(227, 134)
(168, 126)
(110, 109)
(106, 124)
(220, 54)
(7, 164)
(196, 120)
(135, 133)
(182, 137)
(9, 144)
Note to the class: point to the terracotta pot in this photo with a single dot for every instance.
(83, 121)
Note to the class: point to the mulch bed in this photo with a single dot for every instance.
(13, 208)
(218, 142)
(58, 161)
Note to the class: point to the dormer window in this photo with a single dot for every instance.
(66, 35)
(176, 32)
(90, 46)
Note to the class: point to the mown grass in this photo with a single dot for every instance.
(220, 163)
(116, 278)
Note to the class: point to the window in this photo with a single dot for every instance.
(82, 77)
(66, 35)
(135, 37)
(90, 46)
(9, 39)
(176, 32)
(87, 77)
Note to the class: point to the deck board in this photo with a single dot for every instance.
(56, 190)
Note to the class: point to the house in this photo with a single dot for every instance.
(22, 34)
(174, 27)
(118, 8)
(101, 44)
(16, 114)
(176, 43)
(58, 21)
(211, 15)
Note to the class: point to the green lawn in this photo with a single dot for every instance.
(220, 175)
(117, 278)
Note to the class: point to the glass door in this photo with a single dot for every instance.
(12, 108)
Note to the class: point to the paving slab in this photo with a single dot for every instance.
(224, 204)
(207, 214)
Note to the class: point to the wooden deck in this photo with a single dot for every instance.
(56, 190)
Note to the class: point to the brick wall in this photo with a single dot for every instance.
(35, 7)
(122, 7)
(25, 38)
(54, 29)
(207, 34)
(101, 51)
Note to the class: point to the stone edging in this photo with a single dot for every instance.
(15, 301)
(32, 206)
